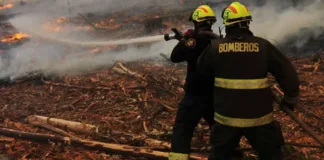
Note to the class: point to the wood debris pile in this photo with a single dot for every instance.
(130, 107)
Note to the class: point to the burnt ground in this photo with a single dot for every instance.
(143, 101)
(134, 99)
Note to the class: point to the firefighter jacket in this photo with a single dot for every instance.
(240, 64)
(189, 49)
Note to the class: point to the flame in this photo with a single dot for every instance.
(108, 25)
(52, 27)
(60, 24)
(95, 50)
(61, 20)
(55, 25)
(15, 37)
(111, 21)
(6, 6)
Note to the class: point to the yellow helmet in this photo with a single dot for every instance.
(203, 13)
(235, 13)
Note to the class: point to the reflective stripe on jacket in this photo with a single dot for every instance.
(240, 64)
(241, 83)
(178, 156)
(240, 122)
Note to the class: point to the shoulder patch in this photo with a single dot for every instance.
(191, 43)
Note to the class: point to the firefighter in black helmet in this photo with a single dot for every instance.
(243, 103)
(197, 102)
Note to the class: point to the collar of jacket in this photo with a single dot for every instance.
(235, 32)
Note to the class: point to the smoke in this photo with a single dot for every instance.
(295, 26)
(72, 7)
(281, 23)
(285, 23)
(69, 56)
(48, 59)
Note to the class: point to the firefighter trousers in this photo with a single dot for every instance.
(191, 110)
(266, 140)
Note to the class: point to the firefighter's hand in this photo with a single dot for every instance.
(288, 102)
(190, 33)
(177, 35)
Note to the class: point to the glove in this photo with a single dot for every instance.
(177, 35)
(288, 102)
(190, 33)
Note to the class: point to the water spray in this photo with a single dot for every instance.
(141, 40)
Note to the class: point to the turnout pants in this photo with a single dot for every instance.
(191, 110)
(266, 140)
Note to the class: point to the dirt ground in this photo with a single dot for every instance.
(137, 98)
(132, 105)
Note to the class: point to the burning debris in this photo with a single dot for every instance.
(6, 6)
(15, 38)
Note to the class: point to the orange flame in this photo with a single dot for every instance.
(6, 6)
(95, 50)
(51, 27)
(108, 26)
(61, 20)
(15, 37)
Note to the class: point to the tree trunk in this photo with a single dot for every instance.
(64, 124)
(89, 129)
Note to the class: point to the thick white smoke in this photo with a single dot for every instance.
(279, 24)
(48, 54)
(275, 20)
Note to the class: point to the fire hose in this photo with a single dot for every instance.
(303, 125)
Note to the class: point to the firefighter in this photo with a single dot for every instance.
(243, 104)
(197, 101)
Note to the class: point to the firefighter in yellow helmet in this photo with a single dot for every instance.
(197, 101)
(243, 104)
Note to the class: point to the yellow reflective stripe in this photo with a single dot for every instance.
(240, 122)
(241, 83)
(178, 156)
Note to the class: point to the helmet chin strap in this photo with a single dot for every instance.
(245, 25)
(220, 31)
(205, 24)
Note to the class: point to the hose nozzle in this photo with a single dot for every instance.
(168, 37)
(176, 35)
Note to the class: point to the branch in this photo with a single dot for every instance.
(106, 147)
(53, 129)
(293, 116)
(93, 130)
(73, 86)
